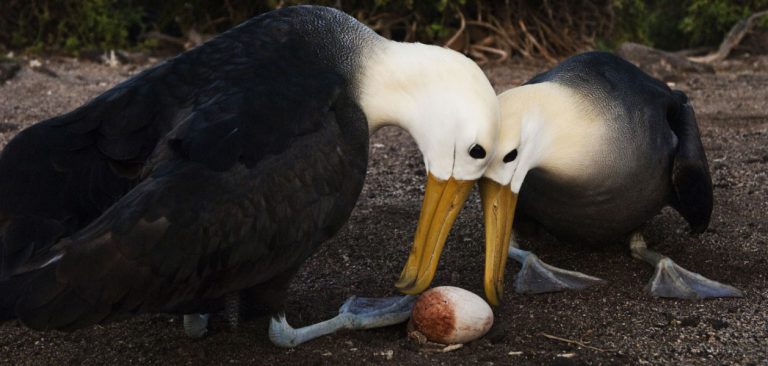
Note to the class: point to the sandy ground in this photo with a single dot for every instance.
(614, 324)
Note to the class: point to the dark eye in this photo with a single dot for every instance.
(477, 151)
(511, 156)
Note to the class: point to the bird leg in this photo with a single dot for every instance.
(196, 325)
(356, 313)
(538, 277)
(671, 280)
(232, 309)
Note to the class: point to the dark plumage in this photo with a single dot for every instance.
(217, 171)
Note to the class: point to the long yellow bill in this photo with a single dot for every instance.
(499, 204)
(443, 199)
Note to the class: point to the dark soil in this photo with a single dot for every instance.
(616, 323)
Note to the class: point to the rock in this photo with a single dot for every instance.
(38, 66)
(8, 69)
(755, 43)
(661, 64)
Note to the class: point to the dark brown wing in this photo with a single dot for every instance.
(61, 174)
(691, 182)
(202, 227)
(252, 150)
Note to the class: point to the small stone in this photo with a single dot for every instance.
(690, 321)
(8, 69)
(452, 347)
(417, 336)
(719, 324)
(388, 354)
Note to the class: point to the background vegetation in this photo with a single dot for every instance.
(485, 29)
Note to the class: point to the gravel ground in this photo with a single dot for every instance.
(613, 324)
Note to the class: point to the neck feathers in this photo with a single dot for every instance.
(559, 130)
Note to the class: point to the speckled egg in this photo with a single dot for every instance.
(451, 315)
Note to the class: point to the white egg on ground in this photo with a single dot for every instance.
(451, 315)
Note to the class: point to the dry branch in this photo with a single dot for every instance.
(571, 341)
(495, 31)
(731, 40)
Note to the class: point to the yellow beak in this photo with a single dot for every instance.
(443, 199)
(499, 204)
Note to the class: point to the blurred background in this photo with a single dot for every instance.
(483, 29)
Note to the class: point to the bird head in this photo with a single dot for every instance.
(447, 104)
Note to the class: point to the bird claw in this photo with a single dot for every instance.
(671, 280)
(281, 333)
(538, 277)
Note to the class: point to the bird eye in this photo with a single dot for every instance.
(477, 151)
(511, 156)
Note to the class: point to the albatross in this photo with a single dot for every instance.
(221, 170)
(595, 148)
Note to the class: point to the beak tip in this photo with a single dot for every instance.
(442, 202)
(493, 297)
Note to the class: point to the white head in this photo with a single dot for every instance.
(544, 125)
(441, 98)
(446, 103)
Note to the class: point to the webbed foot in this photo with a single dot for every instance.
(369, 312)
(671, 280)
(356, 313)
(537, 277)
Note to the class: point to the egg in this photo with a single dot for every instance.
(451, 315)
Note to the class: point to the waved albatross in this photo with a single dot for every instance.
(220, 171)
(595, 148)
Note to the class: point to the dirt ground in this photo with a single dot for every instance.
(615, 324)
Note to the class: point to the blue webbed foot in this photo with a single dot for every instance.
(356, 313)
(538, 277)
(671, 280)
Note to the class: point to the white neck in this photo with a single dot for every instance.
(559, 131)
(535, 138)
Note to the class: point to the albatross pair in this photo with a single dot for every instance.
(218, 172)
